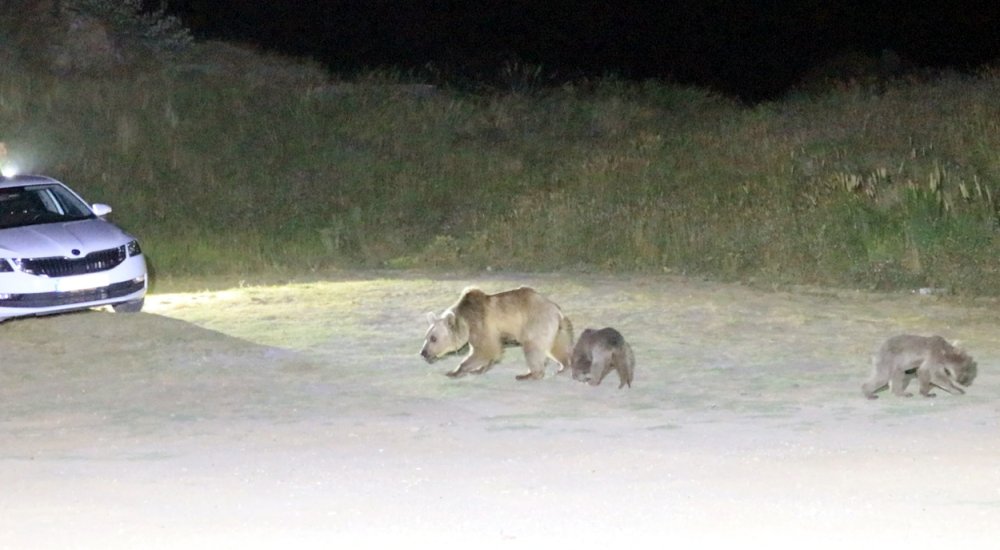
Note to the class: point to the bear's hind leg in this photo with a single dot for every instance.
(562, 346)
(898, 380)
(535, 357)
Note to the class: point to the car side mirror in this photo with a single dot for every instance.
(100, 209)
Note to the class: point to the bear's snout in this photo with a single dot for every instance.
(427, 355)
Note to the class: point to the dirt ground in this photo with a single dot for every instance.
(300, 416)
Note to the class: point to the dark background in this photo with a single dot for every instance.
(750, 49)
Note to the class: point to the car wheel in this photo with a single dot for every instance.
(134, 306)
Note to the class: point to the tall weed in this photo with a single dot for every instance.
(230, 161)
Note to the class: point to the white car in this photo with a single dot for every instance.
(58, 253)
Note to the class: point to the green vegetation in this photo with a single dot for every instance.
(152, 29)
(226, 161)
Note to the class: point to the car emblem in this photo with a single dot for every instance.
(75, 252)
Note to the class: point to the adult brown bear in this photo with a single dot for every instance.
(488, 322)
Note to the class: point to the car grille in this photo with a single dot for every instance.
(51, 299)
(102, 260)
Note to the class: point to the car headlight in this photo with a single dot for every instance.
(133, 248)
(5, 266)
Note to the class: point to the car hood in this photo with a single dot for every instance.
(61, 239)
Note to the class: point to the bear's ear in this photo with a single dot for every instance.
(431, 317)
(449, 317)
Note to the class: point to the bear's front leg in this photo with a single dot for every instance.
(581, 368)
(608, 365)
(472, 363)
(937, 378)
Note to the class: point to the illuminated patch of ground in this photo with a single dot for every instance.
(301, 414)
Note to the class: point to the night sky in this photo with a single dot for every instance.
(750, 49)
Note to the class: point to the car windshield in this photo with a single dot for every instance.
(37, 204)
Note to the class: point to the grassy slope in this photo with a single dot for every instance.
(230, 162)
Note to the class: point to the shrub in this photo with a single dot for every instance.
(131, 20)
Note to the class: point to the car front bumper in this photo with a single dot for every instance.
(23, 294)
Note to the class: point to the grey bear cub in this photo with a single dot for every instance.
(598, 352)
